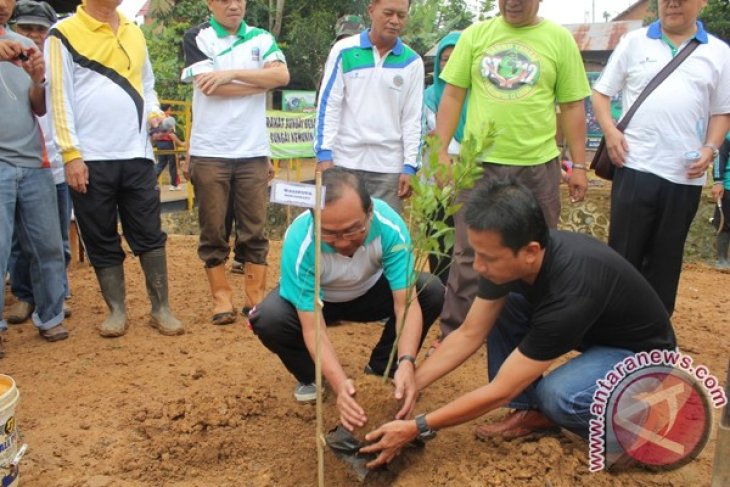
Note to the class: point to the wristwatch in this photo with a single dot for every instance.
(424, 430)
(405, 358)
(715, 150)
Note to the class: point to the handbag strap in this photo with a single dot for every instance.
(657, 80)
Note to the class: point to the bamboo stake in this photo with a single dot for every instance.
(317, 331)
(721, 468)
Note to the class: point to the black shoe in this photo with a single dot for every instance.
(368, 370)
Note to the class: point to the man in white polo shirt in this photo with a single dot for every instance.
(656, 187)
(370, 103)
(232, 66)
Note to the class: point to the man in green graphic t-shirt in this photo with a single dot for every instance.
(514, 69)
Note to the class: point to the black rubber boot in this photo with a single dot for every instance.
(154, 265)
(111, 282)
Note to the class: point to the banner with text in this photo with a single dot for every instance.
(291, 134)
(594, 132)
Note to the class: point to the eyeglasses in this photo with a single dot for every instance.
(348, 235)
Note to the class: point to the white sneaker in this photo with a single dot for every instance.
(305, 392)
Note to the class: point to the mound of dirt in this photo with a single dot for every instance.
(191, 433)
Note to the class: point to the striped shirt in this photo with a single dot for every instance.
(369, 111)
(227, 126)
(101, 89)
(387, 249)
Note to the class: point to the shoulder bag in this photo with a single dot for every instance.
(601, 163)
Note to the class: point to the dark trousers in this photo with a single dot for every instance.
(125, 187)
(544, 182)
(650, 219)
(276, 323)
(214, 180)
(239, 252)
(440, 263)
(565, 395)
(169, 160)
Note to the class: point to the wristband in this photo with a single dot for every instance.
(406, 358)
(715, 149)
(583, 167)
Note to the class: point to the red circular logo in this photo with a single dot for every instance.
(660, 417)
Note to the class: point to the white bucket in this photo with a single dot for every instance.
(9, 396)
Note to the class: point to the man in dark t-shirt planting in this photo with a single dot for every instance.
(568, 292)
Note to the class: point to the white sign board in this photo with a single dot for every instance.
(295, 194)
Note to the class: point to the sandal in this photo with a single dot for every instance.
(224, 318)
(55, 334)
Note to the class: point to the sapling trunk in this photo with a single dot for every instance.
(427, 225)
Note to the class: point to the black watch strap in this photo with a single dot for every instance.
(424, 431)
(406, 358)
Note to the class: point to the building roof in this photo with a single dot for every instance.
(601, 36)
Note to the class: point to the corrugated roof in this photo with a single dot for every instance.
(601, 36)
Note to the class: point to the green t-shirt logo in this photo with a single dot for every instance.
(510, 71)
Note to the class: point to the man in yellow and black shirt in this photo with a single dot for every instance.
(101, 88)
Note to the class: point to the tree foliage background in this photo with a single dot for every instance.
(306, 32)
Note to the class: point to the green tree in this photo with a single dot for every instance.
(307, 32)
(164, 42)
(716, 17)
(307, 41)
(430, 20)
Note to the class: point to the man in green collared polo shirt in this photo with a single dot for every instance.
(231, 65)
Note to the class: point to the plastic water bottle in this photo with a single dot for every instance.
(691, 156)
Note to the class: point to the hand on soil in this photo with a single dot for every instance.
(405, 389)
(351, 414)
(391, 438)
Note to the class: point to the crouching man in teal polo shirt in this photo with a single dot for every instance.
(366, 266)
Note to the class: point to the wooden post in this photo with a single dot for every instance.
(721, 468)
(74, 241)
(317, 331)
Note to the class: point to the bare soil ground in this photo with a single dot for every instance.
(215, 408)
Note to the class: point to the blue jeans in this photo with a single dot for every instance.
(28, 206)
(564, 395)
(19, 266)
